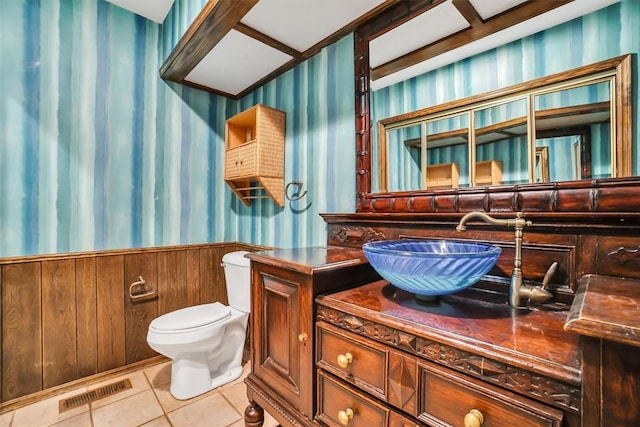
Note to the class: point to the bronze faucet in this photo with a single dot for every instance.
(519, 293)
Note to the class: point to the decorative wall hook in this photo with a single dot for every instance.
(297, 194)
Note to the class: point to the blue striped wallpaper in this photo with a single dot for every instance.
(600, 35)
(97, 152)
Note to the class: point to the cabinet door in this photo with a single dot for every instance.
(282, 327)
(241, 161)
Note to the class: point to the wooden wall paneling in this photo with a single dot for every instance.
(1, 330)
(139, 315)
(193, 277)
(59, 322)
(212, 284)
(172, 289)
(110, 312)
(86, 314)
(21, 329)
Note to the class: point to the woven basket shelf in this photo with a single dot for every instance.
(254, 162)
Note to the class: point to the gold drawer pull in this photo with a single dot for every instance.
(302, 337)
(474, 418)
(345, 416)
(344, 360)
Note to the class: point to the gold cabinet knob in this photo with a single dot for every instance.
(302, 337)
(474, 418)
(345, 416)
(345, 360)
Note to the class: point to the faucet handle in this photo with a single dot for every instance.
(550, 272)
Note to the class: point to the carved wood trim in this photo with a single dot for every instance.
(381, 23)
(571, 196)
(254, 389)
(623, 255)
(540, 387)
(357, 235)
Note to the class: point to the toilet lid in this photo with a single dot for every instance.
(192, 317)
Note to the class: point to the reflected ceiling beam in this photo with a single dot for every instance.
(469, 13)
(478, 30)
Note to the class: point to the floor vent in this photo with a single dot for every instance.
(93, 395)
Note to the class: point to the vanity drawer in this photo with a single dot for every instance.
(447, 397)
(364, 362)
(336, 399)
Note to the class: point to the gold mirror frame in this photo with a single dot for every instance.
(419, 200)
(615, 71)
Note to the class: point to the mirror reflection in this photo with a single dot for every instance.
(573, 130)
(447, 152)
(501, 143)
(557, 128)
(404, 158)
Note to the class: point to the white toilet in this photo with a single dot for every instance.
(205, 342)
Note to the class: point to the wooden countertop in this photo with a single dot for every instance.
(607, 308)
(312, 259)
(480, 323)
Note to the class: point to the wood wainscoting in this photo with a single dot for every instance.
(69, 316)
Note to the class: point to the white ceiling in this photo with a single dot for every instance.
(487, 9)
(301, 24)
(541, 22)
(235, 63)
(239, 61)
(155, 10)
(441, 21)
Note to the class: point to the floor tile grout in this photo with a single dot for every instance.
(229, 395)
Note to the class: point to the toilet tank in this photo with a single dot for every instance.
(238, 278)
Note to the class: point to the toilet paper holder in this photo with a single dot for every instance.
(138, 291)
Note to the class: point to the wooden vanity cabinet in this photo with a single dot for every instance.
(605, 312)
(432, 394)
(384, 359)
(284, 284)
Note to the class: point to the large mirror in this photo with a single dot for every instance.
(568, 126)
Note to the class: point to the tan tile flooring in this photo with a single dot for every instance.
(148, 403)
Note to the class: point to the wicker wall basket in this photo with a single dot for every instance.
(254, 163)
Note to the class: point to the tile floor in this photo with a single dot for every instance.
(148, 403)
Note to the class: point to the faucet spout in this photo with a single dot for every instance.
(485, 217)
(519, 293)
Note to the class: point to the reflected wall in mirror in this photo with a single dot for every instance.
(574, 124)
(501, 145)
(447, 152)
(566, 116)
(542, 163)
(403, 156)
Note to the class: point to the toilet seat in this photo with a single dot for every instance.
(191, 318)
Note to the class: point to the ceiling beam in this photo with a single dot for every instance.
(215, 20)
(261, 37)
(469, 12)
(492, 25)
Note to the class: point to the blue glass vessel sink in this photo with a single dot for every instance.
(430, 268)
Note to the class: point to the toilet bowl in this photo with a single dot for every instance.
(205, 342)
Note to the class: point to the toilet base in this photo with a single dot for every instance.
(190, 377)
